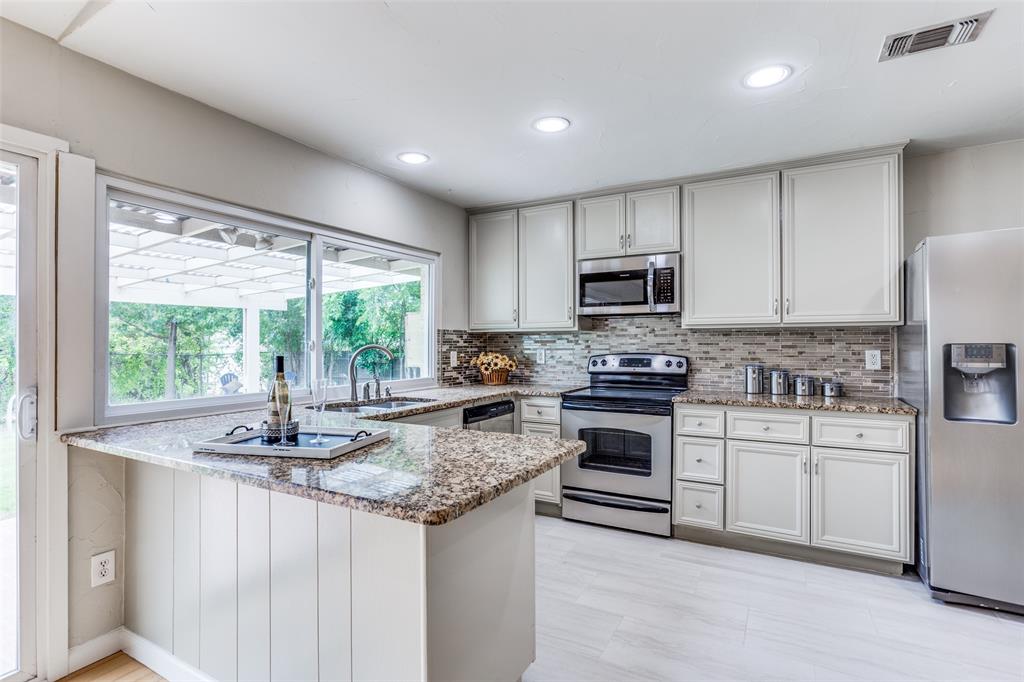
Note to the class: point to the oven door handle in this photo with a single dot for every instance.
(650, 284)
(605, 502)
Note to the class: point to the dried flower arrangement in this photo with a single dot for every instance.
(494, 367)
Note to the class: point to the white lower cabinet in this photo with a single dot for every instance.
(542, 417)
(768, 490)
(859, 502)
(548, 486)
(698, 504)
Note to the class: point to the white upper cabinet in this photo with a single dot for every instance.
(601, 227)
(841, 238)
(731, 252)
(493, 271)
(546, 267)
(652, 221)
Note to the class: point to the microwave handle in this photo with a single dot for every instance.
(650, 284)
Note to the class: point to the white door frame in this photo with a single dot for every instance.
(51, 498)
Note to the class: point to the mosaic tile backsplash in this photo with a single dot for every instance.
(716, 356)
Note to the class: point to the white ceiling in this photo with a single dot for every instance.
(653, 89)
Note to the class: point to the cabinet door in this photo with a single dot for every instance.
(731, 265)
(493, 271)
(841, 245)
(652, 221)
(860, 502)
(546, 267)
(768, 490)
(601, 227)
(548, 486)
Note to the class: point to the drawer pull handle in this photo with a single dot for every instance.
(860, 435)
(765, 427)
(698, 505)
(700, 423)
(699, 460)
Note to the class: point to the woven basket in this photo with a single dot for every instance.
(498, 377)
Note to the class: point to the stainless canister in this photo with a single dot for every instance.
(753, 378)
(832, 389)
(803, 384)
(779, 381)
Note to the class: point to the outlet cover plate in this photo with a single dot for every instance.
(453, 359)
(872, 359)
(103, 568)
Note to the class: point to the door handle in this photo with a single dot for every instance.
(805, 463)
(787, 305)
(629, 241)
(775, 306)
(650, 285)
(27, 408)
(622, 241)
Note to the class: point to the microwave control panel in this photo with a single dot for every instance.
(664, 285)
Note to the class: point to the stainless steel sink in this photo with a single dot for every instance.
(392, 404)
(378, 405)
(355, 409)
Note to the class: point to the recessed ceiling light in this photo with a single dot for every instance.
(767, 76)
(413, 158)
(551, 124)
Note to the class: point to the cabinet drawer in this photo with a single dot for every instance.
(540, 410)
(700, 459)
(869, 434)
(691, 422)
(698, 504)
(778, 428)
(543, 430)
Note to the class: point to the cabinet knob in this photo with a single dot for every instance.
(698, 505)
(860, 435)
(765, 427)
(700, 423)
(699, 460)
(540, 411)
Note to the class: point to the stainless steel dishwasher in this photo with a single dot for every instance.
(496, 417)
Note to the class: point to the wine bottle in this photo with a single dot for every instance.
(278, 387)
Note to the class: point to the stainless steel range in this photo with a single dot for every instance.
(624, 477)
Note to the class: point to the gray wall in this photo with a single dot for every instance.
(95, 524)
(140, 130)
(963, 190)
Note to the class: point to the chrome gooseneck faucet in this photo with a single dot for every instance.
(354, 394)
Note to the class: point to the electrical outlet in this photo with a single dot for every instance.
(453, 359)
(103, 568)
(872, 359)
(541, 355)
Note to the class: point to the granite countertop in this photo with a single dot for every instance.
(446, 397)
(425, 475)
(862, 405)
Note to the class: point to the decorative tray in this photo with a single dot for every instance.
(338, 441)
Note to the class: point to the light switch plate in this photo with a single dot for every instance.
(453, 359)
(872, 359)
(103, 568)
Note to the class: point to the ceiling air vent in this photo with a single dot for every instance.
(933, 37)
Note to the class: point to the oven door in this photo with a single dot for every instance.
(627, 454)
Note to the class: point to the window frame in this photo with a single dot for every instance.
(110, 186)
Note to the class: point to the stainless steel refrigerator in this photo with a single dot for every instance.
(959, 364)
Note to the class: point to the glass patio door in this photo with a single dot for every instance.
(18, 176)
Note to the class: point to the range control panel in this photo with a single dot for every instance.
(637, 363)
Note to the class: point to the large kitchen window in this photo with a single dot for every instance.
(200, 297)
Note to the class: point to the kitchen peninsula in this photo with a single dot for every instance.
(411, 559)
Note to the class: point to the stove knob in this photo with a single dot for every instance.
(593, 363)
(679, 364)
(668, 363)
(604, 362)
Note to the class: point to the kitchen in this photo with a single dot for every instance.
(746, 409)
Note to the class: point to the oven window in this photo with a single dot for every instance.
(616, 451)
(626, 287)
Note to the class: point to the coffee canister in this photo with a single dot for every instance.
(832, 389)
(803, 384)
(753, 378)
(779, 381)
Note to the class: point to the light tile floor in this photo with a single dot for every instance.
(613, 605)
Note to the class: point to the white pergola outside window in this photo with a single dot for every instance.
(196, 297)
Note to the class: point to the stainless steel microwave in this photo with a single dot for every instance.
(634, 285)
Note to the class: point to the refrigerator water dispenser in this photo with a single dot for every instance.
(979, 382)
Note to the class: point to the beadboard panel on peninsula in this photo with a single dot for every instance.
(716, 356)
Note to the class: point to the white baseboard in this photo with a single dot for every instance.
(159, 660)
(156, 658)
(95, 649)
